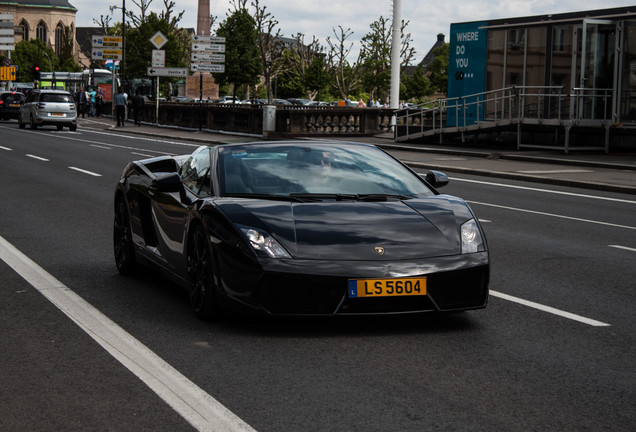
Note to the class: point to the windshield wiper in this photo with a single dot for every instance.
(309, 197)
(263, 196)
(382, 197)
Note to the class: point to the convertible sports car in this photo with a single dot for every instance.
(301, 228)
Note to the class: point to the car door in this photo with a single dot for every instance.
(171, 209)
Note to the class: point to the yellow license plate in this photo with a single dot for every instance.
(14, 105)
(58, 114)
(386, 287)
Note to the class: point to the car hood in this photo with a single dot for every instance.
(354, 230)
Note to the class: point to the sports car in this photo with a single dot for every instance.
(301, 228)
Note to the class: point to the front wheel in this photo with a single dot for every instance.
(33, 124)
(202, 286)
(21, 124)
(122, 239)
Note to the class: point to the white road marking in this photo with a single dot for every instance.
(37, 157)
(85, 171)
(101, 147)
(623, 247)
(549, 309)
(561, 171)
(197, 407)
(5, 148)
(141, 154)
(554, 215)
(604, 198)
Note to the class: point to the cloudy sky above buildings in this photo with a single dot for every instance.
(320, 17)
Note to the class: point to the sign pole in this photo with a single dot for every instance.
(200, 97)
(157, 102)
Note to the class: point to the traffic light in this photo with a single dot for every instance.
(36, 72)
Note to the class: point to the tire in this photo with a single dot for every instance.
(72, 128)
(21, 125)
(122, 240)
(60, 127)
(33, 125)
(202, 286)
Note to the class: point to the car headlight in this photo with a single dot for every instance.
(471, 237)
(263, 243)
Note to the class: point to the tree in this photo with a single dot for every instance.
(376, 55)
(346, 76)
(30, 53)
(242, 57)
(269, 45)
(438, 69)
(305, 68)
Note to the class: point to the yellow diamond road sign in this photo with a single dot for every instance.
(158, 40)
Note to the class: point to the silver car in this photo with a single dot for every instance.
(48, 107)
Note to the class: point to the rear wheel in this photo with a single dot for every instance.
(202, 286)
(72, 128)
(60, 127)
(33, 125)
(122, 239)
(21, 125)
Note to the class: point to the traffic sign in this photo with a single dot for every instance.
(203, 56)
(170, 72)
(7, 73)
(214, 68)
(158, 40)
(209, 39)
(99, 41)
(208, 47)
(158, 58)
(106, 54)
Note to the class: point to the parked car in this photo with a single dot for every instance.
(48, 107)
(299, 101)
(10, 102)
(228, 100)
(301, 228)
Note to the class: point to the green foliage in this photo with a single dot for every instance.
(139, 48)
(30, 53)
(242, 57)
(438, 69)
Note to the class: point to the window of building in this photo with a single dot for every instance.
(41, 32)
(59, 39)
(23, 30)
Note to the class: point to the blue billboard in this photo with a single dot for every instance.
(466, 70)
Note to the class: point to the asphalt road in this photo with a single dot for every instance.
(554, 350)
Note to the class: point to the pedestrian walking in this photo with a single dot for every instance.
(120, 107)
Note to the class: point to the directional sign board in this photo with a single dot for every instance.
(203, 56)
(7, 73)
(106, 54)
(219, 48)
(108, 42)
(169, 72)
(208, 39)
(7, 39)
(214, 68)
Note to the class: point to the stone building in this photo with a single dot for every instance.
(41, 19)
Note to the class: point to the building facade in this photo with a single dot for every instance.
(589, 57)
(45, 20)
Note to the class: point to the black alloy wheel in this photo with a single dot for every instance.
(122, 239)
(202, 286)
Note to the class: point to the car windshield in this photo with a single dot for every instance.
(316, 172)
(13, 97)
(55, 97)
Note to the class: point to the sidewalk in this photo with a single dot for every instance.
(588, 170)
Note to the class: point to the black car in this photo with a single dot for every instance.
(299, 228)
(10, 102)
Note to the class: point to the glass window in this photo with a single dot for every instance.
(515, 57)
(628, 84)
(195, 172)
(59, 39)
(40, 31)
(56, 97)
(23, 29)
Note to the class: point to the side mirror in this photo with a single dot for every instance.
(437, 179)
(167, 182)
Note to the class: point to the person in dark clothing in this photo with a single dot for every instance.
(80, 100)
(138, 107)
(120, 107)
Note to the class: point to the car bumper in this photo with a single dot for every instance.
(314, 287)
(49, 119)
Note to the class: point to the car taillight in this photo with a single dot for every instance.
(72, 107)
(1, 102)
(41, 105)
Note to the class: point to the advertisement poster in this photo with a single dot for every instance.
(466, 70)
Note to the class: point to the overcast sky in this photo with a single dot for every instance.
(319, 17)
